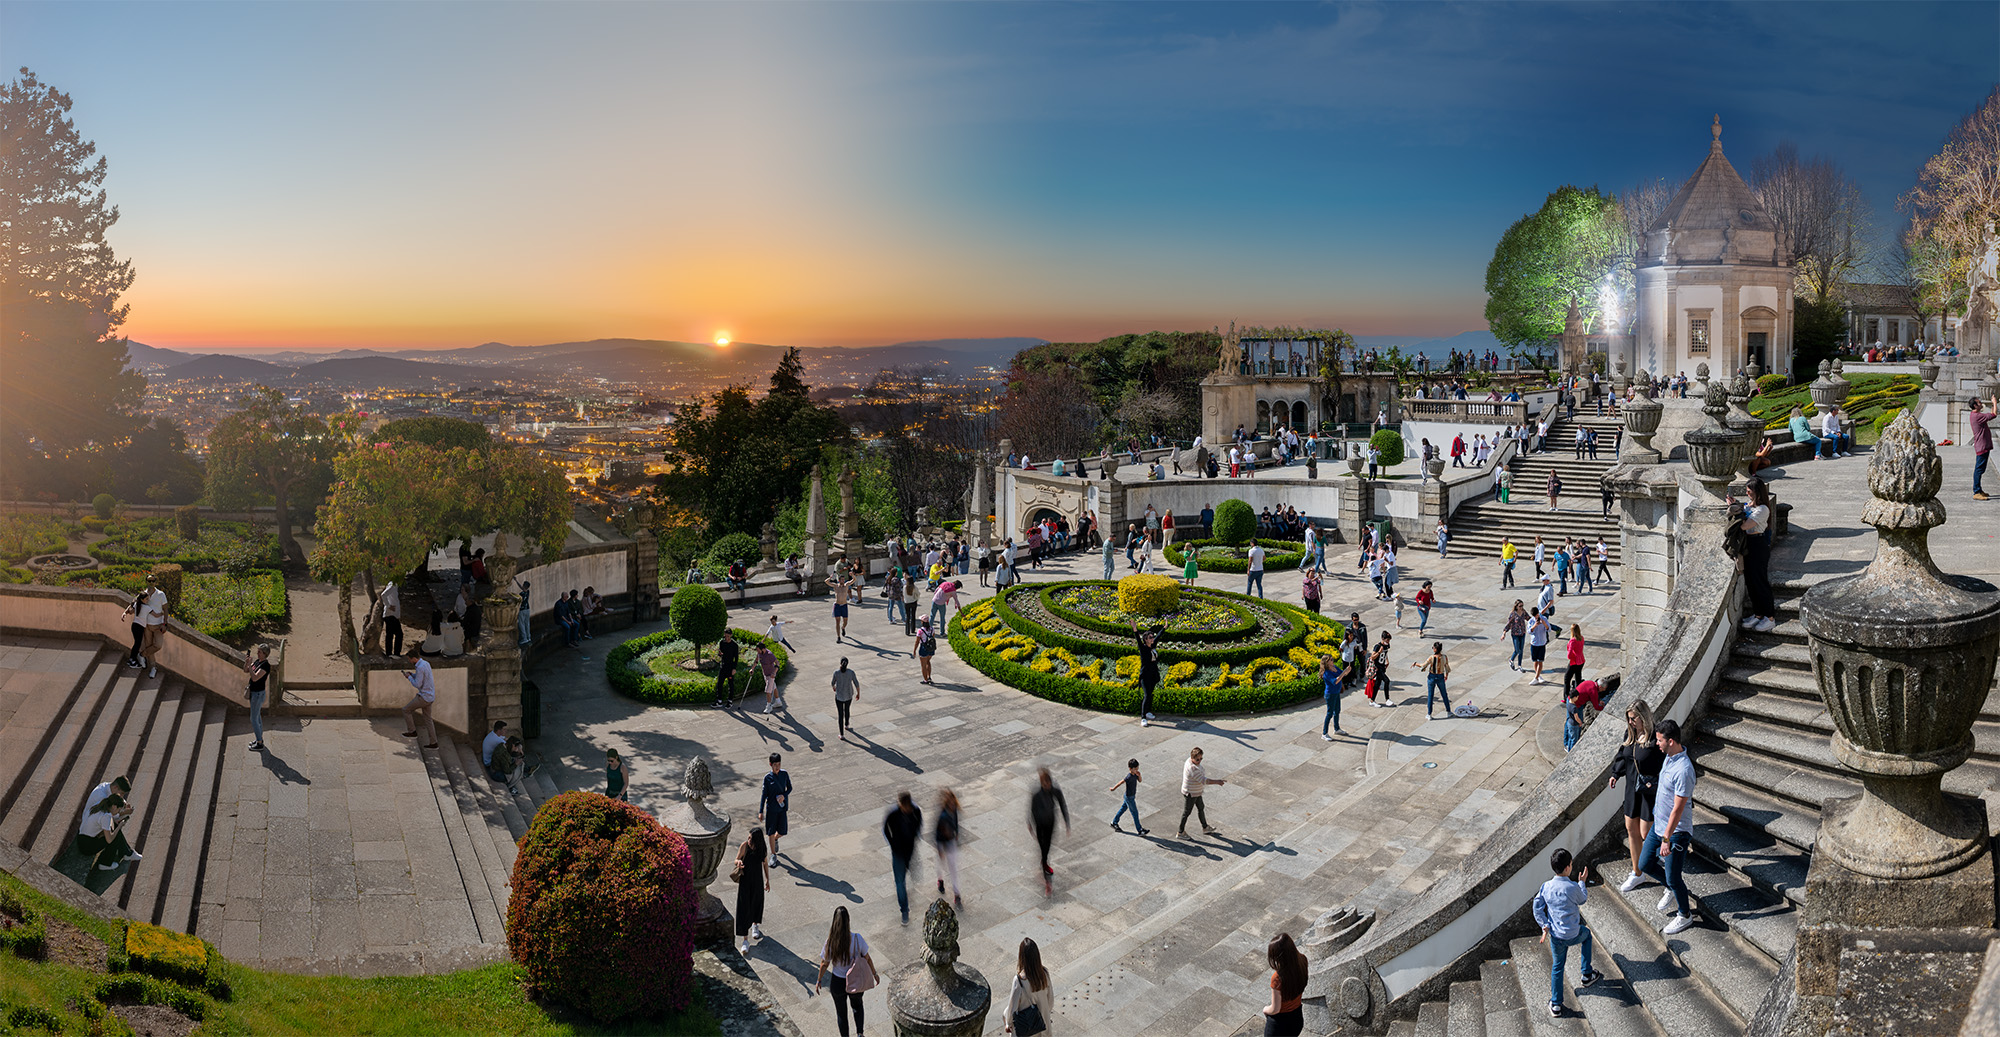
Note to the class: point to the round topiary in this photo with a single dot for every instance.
(736, 547)
(1389, 444)
(602, 911)
(698, 614)
(1147, 594)
(105, 505)
(1235, 522)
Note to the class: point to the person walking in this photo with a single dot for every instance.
(845, 955)
(753, 879)
(1310, 590)
(1131, 803)
(1111, 556)
(1562, 570)
(901, 827)
(1638, 762)
(1378, 674)
(1541, 556)
(1573, 671)
(1436, 668)
(1195, 781)
(926, 647)
(1443, 538)
(727, 653)
(1424, 600)
(1149, 669)
(846, 688)
(1331, 677)
(1516, 627)
(258, 668)
(1555, 489)
(1031, 1002)
(1538, 640)
(390, 607)
(774, 803)
(1558, 909)
(1285, 1015)
(1673, 826)
(945, 833)
(1546, 600)
(153, 616)
(425, 686)
(1254, 570)
(1761, 609)
(843, 592)
(1980, 420)
(134, 615)
(1507, 553)
(1043, 805)
(614, 775)
(1580, 561)
(892, 590)
(1603, 560)
(767, 661)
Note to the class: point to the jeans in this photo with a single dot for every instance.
(1423, 619)
(901, 866)
(1193, 804)
(1559, 956)
(894, 605)
(1571, 732)
(1332, 714)
(1109, 564)
(841, 1001)
(1520, 641)
(1254, 582)
(1131, 805)
(1562, 580)
(1319, 559)
(1978, 470)
(257, 717)
(937, 615)
(1583, 578)
(843, 707)
(1668, 875)
(1433, 690)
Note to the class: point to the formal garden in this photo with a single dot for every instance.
(679, 666)
(1873, 401)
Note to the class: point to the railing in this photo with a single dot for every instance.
(1277, 369)
(92, 612)
(1471, 412)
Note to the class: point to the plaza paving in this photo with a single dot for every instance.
(1144, 935)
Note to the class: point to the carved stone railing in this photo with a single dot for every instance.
(1471, 412)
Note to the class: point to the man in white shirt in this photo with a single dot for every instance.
(1194, 781)
(1312, 548)
(1255, 572)
(153, 613)
(421, 679)
(118, 786)
(390, 606)
(1831, 433)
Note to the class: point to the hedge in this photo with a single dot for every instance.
(30, 938)
(1235, 522)
(1286, 555)
(648, 688)
(1124, 698)
(1148, 594)
(1047, 592)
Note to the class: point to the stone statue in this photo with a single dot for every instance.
(1982, 306)
(923, 517)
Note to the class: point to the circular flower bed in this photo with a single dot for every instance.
(660, 667)
(1218, 557)
(1027, 637)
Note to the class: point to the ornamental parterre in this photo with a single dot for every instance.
(1222, 652)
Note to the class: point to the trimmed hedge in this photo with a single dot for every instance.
(648, 688)
(1148, 594)
(135, 989)
(1233, 655)
(1124, 697)
(1235, 522)
(1389, 444)
(1278, 554)
(29, 939)
(1047, 592)
(602, 911)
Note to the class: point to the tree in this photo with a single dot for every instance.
(1821, 216)
(1388, 444)
(1549, 258)
(67, 401)
(736, 460)
(156, 458)
(1917, 269)
(698, 615)
(270, 446)
(436, 431)
(1049, 414)
(1819, 332)
(1957, 196)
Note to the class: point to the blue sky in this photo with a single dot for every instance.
(445, 174)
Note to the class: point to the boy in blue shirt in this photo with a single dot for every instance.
(1559, 911)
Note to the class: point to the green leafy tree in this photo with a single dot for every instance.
(737, 459)
(432, 430)
(67, 401)
(1388, 443)
(1819, 332)
(699, 615)
(271, 448)
(1235, 522)
(155, 464)
(1560, 253)
(875, 499)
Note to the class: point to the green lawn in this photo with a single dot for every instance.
(486, 1000)
(1870, 396)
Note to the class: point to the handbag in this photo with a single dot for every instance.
(736, 873)
(861, 975)
(1028, 1021)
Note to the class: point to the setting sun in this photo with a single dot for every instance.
(722, 339)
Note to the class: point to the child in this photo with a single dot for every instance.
(1572, 719)
(1399, 612)
(1559, 911)
(1131, 782)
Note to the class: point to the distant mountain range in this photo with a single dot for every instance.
(616, 359)
(1478, 341)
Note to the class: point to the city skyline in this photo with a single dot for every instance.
(429, 177)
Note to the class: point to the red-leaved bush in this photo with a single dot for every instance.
(602, 910)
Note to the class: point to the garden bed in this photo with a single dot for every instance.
(1217, 557)
(155, 541)
(650, 669)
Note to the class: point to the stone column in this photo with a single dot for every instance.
(939, 996)
(501, 610)
(645, 576)
(976, 527)
(707, 836)
(1903, 656)
(1357, 505)
(1732, 328)
(815, 545)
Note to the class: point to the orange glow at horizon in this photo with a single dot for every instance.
(722, 338)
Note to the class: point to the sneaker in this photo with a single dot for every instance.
(107, 867)
(743, 946)
(1555, 1010)
(1150, 716)
(757, 931)
(256, 747)
(1143, 721)
(134, 855)
(154, 672)
(1680, 924)
(1591, 977)
(1666, 900)
(1208, 828)
(1114, 827)
(1632, 882)
(1325, 738)
(1749, 623)
(136, 664)
(1982, 496)
(1766, 625)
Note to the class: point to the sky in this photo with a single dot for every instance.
(436, 175)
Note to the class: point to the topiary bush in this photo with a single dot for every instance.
(602, 911)
(105, 505)
(1235, 522)
(1770, 382)
(736, 547)
(1389, 444)
(698, 613)
(1146, 594)
(187, 519)
(167, 577)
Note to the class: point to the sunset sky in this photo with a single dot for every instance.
(440, 175)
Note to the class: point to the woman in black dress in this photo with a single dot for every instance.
(1638, 762)
(755, 862)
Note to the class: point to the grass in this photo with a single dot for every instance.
(486, 1000)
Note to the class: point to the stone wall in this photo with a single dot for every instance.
(196, 658)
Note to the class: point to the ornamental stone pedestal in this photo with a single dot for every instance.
(1746, 425)
(1712, 448)
(1899, 901)
(1642, 419)
(939, 996)
(500, 613)
(707, 836)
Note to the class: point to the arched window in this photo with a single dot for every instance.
(1263, 416)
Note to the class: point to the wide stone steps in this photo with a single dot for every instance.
(483, 822)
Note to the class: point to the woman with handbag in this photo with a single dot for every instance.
(846, 956)
(1031, 1005)
(1284, 1016)
(1638, 762)
(752, 875)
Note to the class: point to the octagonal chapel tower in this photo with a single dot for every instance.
(1715, 279)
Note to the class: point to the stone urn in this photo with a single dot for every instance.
(1747, 425)
(1355, 460)
(1903, 656)
(1701, 379)
(1840, 382)
(501, 610)
(1713, 448)
(1435, 466)
(1619, 380)
(1989, 387)
(707, 836)
(939, 996)
(1928, 371)
(1642, 419)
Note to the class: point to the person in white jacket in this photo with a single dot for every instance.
(1032, 990)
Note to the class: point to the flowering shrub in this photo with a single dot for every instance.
(602, 911)
(1148, 595)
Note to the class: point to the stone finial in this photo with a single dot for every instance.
(1715, 131)
(939, 996)
(1826, 369)
(940, 935)
(1903, 655)
(696, 781)
(1714, 401)
(1755, 370)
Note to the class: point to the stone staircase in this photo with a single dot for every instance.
(1477, 527)
(483, 822)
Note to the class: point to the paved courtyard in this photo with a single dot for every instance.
(1153, 934)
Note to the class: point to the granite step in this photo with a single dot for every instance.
(1777, 822)
(481, 818)
(1779, 653)
(28, 730)
(1813, 750)
(182, 871)
(61, 812)
(1433, 1019)
(1500, 994)
(472, 874)
(1528, 960)
(1680, 1003)
(142, 884)
(1804, 789)
(1734, 970)
(68, 734)
(1607, 1008)
(1465, 1010)
(1403, 1028)
(1775, 867)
